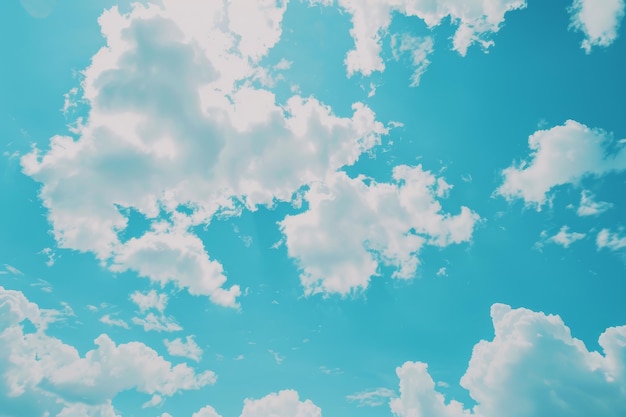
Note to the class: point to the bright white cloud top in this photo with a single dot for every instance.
(599, 20)
(561, 155)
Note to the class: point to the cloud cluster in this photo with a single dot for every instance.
(562, 155)
(354, 225)
(598, 20)
(40, 373)
(176, 126)
(476, 21)
(285, 403)
(532, 368)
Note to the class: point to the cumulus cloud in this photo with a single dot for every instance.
(207, 411)
(177, 132)
(418, 396)
(561, 155)
(610, 240)
(285, 403)
(532, 368)
(187, 348)
(476, 21)
(352, 227)
(590, 207)
(41, 373)
(598, 20)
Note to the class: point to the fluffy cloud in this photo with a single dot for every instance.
(418, 396)
(610, 240)
(187, 348)
(532, 368)
(476, 20)
(599, 20)
(41, 373)
(561, 155)
(207, 411)
(589, 206)
(174, 122)
(351, 227)
(285, 403)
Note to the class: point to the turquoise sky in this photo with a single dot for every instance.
(306, 208)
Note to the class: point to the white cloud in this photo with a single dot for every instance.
(477, 20)
(106, 319)
(207, 411)
(610, 240)
(174, 121)
(599, 20)
(589, 206)
(149, 300)
(373, 398)
(442, 272)
(419, 50)
(565, 238)
(561, 155)
(42, 373)
(187, 348)
(257, 23)
(285, 403)
(532, 368)
(418, 396)
(351, 228)
(155, 401)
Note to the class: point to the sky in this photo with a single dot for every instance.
(306, 208)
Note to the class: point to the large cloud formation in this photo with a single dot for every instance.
(533, 367)
(354, 225)
(41, 375)
(175, 121)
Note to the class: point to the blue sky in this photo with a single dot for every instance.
(397, 208)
